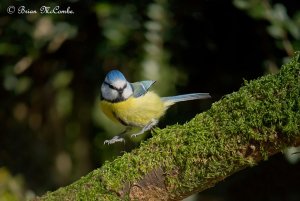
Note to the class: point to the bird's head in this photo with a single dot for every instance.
(115, 87)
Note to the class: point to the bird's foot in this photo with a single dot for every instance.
(114, 140)
(136, 134)
(152, 123)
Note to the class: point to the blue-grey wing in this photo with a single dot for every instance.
(140, 88)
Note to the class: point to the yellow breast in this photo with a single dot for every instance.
(135, 111)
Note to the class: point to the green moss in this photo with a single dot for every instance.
(238, 130)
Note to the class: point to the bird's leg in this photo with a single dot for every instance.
(152, 123)
(117, 138)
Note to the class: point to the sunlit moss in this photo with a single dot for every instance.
(261, 117)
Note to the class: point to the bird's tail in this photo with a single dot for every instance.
(170, 100)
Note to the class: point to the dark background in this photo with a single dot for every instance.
(52, 66)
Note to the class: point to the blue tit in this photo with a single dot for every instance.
(132, 105)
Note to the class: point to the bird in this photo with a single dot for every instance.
(133, 105)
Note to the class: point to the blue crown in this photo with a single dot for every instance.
(115, 75)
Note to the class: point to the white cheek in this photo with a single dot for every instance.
(114, 94)
(127, 92)
(108, 93)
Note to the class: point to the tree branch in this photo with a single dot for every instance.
(247, 126)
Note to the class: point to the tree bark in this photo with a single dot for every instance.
(241, 129)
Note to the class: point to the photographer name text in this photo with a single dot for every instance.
(43, 10)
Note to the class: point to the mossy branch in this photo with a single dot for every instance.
(247, 126)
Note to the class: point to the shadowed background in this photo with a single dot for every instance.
(52, 66)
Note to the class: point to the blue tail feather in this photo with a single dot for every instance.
(185, 97)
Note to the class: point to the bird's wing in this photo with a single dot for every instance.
(140, 88)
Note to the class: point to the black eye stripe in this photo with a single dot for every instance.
(113, 87)
(110, 86)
